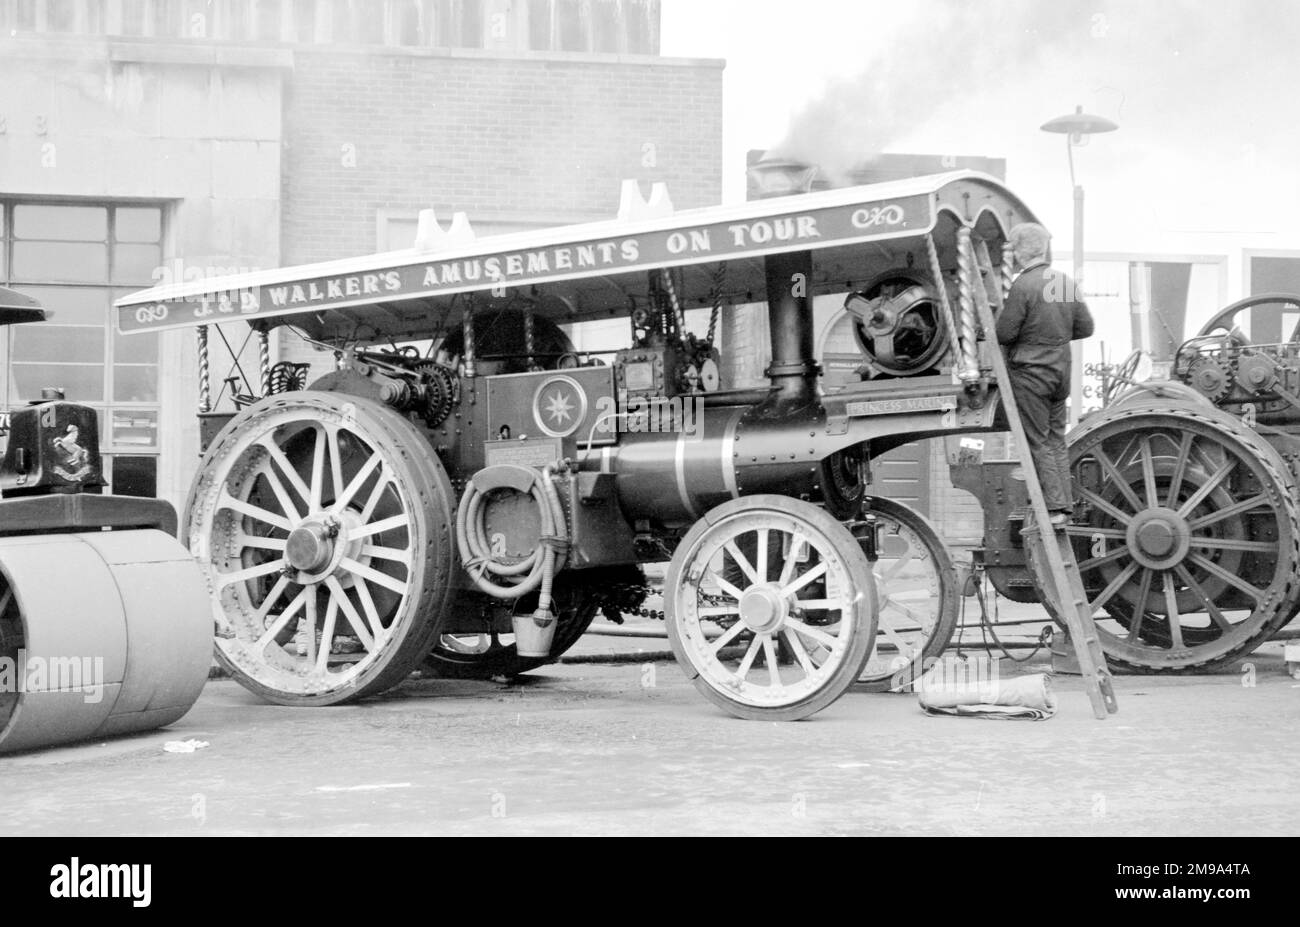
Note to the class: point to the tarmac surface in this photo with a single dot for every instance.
(629, 747)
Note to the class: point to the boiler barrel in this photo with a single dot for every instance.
(674, 477)
(101, 633)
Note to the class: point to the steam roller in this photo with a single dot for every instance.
(105, 625)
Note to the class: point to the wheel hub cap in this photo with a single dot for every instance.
(762, 608)
(310, 547)
(1159, 538)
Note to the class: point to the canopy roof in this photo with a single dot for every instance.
(597, 270)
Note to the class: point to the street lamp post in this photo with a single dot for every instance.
(1075, 127)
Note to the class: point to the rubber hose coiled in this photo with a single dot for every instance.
(538, 569)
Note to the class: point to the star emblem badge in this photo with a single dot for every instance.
(557, 407)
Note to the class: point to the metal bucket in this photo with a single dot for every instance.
(101, 633)
(532, 637)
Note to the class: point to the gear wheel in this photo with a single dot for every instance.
(441, 392)
(1210, 376)
(1256, 372)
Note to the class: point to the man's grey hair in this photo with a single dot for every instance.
(1029, 241)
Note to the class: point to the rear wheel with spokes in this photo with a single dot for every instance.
(1188, 543)
(323, 523)
(768, 644)
(917, 584)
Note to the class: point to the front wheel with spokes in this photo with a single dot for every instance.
(323, 525)
(764, 643)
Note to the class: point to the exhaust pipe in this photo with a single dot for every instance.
(793, 371)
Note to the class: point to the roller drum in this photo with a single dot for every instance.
(105, 633)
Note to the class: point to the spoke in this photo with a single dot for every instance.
(327, 635)
(715, 611)
(1230, 544)
(309, 616)
(886, 628)
(1149, 473)
(239, 576)
(1176, 481)
(816, 605)
(760, 564)
(286, 467)
(402, 556)
(318, 470)
(725, 586)
(340, 595)
(800, 654)
(812, 633)
(1115, 477)
(1237, 508)
(1095, 562)
(255, 512)
(277, 590)
(741, 561)
(897, 567)
(1171, 609)
(376, 493)
(815, 573)
(6, 599)
(1140, 607)
(1208, 487)
(1115, 585)
(1232, 579)
(920, 618)
(1215, 614)
(379, 527)
(380, 579)
(353, 487)
(261, 543)
(1098, 502)
(336, 460)
(1087, 531)
(748, 661)
(769, 655)
(281, 494)
(726, 637)
(278, 625)
(787, 569)
(368, 606)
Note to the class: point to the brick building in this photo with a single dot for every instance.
(145, 142)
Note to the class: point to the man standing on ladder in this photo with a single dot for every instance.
(1041, 315)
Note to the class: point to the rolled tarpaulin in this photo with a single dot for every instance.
(1027, 698)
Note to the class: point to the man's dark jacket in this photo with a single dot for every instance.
(1039, 319)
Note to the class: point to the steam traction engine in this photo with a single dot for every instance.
(467, 490)
(1186, 529)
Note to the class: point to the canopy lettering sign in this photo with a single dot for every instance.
(267, 295)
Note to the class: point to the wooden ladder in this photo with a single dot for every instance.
(1049, 548)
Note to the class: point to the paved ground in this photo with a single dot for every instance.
(631, 748)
